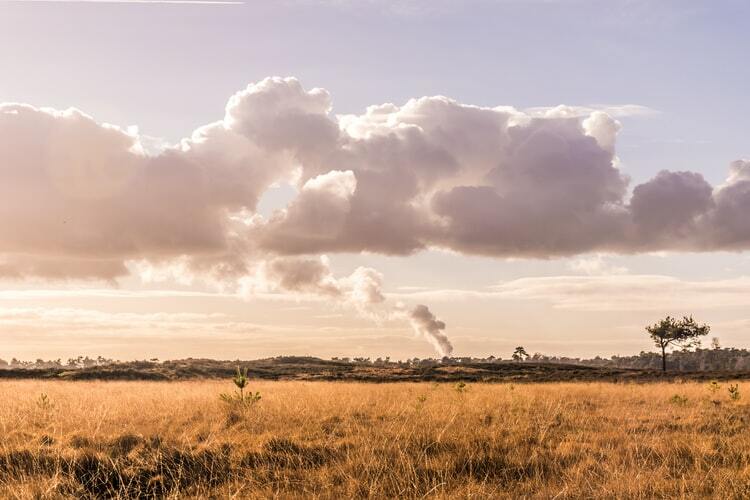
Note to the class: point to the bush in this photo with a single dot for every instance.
(678, 400)
(734, 392)
(240, 380)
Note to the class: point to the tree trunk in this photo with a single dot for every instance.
(663, 359)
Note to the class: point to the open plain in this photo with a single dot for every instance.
(125, 439)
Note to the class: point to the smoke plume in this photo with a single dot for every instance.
(427, 325)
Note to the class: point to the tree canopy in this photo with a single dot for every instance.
(672, 332)
(520, 354)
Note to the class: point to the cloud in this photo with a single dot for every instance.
(172, 2)
(594, 265)
(629, 292)
(81, 199)
(727, 226)
(668, 208)
(118, 293)
(318, 213)
(85, 200)
(610, 293)
(68, 320)
(613, 110)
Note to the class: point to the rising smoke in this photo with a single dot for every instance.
(427, 325)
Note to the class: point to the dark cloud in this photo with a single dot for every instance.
(667, 209)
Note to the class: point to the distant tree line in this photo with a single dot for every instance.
(79, 362)
(700, 359)
(697, 360)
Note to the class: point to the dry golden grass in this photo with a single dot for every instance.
(343, 440)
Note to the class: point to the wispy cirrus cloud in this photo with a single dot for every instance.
(624, 292)
(102, 324)
(172, 2)
(614, 110)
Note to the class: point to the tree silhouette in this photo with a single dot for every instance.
(520, 354)
(671, 332)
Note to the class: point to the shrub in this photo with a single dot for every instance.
(678, 400)
(734, 392)
(240, 380)
(44, 403)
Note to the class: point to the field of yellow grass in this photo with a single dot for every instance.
(345, 440)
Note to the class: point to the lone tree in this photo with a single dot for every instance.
(520, 354)
(671, 332)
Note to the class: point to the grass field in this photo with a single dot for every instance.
(342, 440)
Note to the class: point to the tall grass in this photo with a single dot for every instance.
(343, 440)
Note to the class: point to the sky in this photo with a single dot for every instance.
(371, 178)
